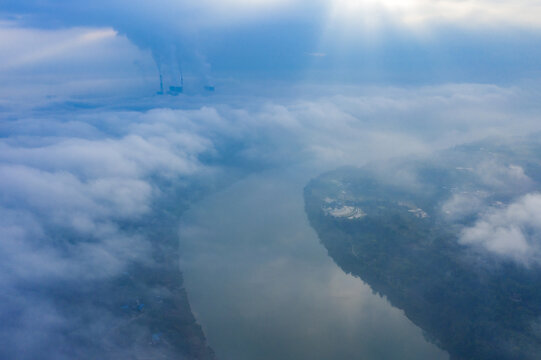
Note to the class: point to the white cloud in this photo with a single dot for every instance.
(53, 185)
(24, 48)
(513, 232)
(38, 66)
(463, 205)
(505, 178)
(420, 13)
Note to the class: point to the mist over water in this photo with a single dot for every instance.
(263, 287)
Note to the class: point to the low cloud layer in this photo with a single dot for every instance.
(88, 170)
(512, 232)
(82, 174)
(66, 197)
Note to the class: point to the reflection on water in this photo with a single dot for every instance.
(262, 286)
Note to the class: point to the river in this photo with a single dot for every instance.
(263, 287)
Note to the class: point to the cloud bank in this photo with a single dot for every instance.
(73, 183)
(512, 232)
(67, 201)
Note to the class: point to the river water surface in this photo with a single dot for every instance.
(263, 287)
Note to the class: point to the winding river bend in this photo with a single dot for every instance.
(263, 287)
